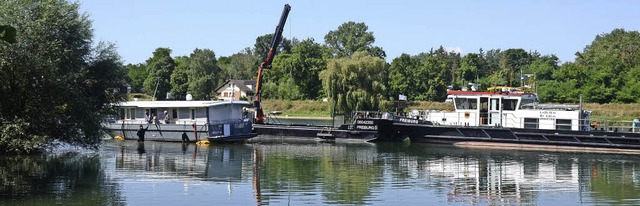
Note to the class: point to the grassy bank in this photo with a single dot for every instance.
(611, 111)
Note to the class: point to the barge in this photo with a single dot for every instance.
(364, 126)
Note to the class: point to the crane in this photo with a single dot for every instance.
(266, 64)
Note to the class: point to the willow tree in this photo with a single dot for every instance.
(355, 82)
(55, 86)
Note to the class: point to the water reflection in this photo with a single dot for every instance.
(317, 173)
(341, 174)
(481, 176)
(60, 179)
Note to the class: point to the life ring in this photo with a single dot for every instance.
(594, 124)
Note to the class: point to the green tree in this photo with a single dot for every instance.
(242, 65)
(630, 93)
(300, 69)
(471, 67)
(180, 78)
(137, 73)
(431, 79)
(401, 73)
(355, 83)
(512, 62)
(351, 37)
(608, 58)
(543, 67)
(263, 44)
(57, 87)
(159, 67)
(204, 75)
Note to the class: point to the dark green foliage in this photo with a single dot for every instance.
(180, 78)
(204, 75)
(8, 33)
(137, 73)
(242, 65)
(55, 86)
(263, 44)
(296, 74)
(352, 37)
(159, 68)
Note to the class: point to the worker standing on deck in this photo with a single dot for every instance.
(167, 118)
(141, 133)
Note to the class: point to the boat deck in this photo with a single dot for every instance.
(597, 139)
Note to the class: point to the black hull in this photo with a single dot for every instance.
(328, 133)
(232, 139)
(512, 137)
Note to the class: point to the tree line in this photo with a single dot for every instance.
(350, 70)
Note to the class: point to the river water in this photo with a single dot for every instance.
(317, 173)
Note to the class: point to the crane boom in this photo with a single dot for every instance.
(266, 64)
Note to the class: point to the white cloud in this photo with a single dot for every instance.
(454, 49)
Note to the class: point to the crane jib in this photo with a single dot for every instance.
(277, 38)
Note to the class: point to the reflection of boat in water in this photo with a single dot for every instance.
(180, 160)
(226, 162)
(489, 177)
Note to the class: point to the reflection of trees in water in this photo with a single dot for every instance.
(347, 175)
(64, 179)
(614, 182)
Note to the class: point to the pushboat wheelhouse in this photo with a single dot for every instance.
(510, 109)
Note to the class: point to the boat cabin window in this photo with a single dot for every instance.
(128, 113)
(509, 104)
(193, 113)
(563, 124)
(531, 123)
(526, 104)
(466, 103)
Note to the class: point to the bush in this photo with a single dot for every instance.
(14, 138)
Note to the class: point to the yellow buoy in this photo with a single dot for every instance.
(203, 142)
(118, 137)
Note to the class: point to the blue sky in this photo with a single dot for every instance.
(562, 28)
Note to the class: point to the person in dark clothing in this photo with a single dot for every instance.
(141, 132)
(185, 137)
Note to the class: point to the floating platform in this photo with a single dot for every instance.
(363, 130)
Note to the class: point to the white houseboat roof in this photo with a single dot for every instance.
(177, 104)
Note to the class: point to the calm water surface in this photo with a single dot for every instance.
(317, 173)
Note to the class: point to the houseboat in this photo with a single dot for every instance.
(514, 118)
(216, 121)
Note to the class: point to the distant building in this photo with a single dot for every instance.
(236, 89)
